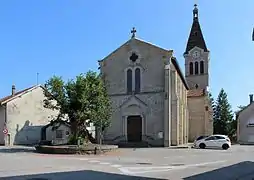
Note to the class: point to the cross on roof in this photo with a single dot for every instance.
(133, 31)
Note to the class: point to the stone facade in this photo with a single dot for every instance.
(23, 114)
(159, 99)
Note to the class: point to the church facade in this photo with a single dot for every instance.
(152, 100)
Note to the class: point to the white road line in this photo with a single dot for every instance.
(83, 159)
(139, 170)
(94, 161)
(116, 165)
(104, 163)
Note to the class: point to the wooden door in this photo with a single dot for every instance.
(134, 128)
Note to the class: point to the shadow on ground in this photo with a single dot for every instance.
(78, 175)
(242, 170)
(16, 149)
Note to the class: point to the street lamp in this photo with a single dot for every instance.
(253, 35)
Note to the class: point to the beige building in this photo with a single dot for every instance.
(197, 58)
(23, 115)
(200, 114)
(149, 93)
(245, 124)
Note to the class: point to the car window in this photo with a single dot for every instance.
(220, 137)
(211, 138)
(201, 137)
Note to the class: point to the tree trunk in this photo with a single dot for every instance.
(90, 137)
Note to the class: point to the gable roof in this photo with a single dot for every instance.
(62, 122)
(246, 107)
(8, 98)
(137, 40)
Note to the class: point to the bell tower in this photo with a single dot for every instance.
(196, 56)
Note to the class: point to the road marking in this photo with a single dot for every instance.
(83, 159)
(116, 165)
(94, 161)
(140, 170)
(104, 163)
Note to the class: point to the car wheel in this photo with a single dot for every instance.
(202, 146)
(225, 146)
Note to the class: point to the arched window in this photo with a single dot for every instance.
(137, 80)
(191, 68)
(196, 67)
(201, 67)
(129, 81)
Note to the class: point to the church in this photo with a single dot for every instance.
(152, 100)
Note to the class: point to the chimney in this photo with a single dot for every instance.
(13, 90)
(251, 98)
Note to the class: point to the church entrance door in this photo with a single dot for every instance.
(134, 128)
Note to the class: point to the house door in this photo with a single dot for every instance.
(134, 128)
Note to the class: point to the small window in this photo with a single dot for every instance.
(137, 80)
(129, 81)
(59, 134)
(191, 68)
(201, 67)
(67, 133)
(196, 67)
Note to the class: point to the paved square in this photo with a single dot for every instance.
(144, 163)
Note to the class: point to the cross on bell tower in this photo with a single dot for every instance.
(133, 31)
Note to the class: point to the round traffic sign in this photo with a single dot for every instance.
(5, 131)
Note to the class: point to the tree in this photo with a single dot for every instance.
(84, 100)
(223, 115)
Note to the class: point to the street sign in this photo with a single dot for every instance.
(5, 131)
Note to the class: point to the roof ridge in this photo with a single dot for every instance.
(6, 98)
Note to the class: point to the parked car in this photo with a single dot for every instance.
(213, 141)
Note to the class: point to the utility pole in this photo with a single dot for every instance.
(100, 133)
(253, 34)
(37, 78)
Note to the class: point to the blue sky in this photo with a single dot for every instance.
(67, 37)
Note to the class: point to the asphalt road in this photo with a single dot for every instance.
(154, 163)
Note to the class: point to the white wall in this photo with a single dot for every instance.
(2, 121)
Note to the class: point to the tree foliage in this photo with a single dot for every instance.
(223, 115)
(84, 100)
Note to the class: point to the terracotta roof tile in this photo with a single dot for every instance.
(16, 94)
(196, 92)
